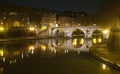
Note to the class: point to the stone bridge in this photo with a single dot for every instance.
(68, 31)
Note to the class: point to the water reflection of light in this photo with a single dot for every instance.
(53, 49)
(94, 40)
(43, 47)
(105, 67)
(78, 52)
(31, 48)
(1, 52)
(66, 51)
(1, 70)
(99, 40)
(3, 59)
(82, 41)
(22, 55)
(74, 42)
(13, 61)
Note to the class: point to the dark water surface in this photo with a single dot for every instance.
(51, 56)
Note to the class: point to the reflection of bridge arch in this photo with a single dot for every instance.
(68, 45)
(57, 42)
(77, 42)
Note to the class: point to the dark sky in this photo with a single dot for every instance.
(90, 6)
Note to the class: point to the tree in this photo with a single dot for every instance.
(109, 14)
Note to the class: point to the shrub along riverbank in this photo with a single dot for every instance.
(114, 41)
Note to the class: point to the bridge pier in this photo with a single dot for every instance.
(88, 35)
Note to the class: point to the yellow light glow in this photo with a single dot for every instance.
(31, 48)
(106, 31)
(12, 61)
(74, 42)
(94, 40)
(1, 28)
(22, 55)
(82, 41)
(3, 59)
(103, 66)
(43, 28)
(99, 40)
(31, 28)
(1, 53)
(2, 23)
(43, 47)
(56, 25)
(16, 23)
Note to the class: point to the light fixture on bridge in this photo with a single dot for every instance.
(106, 33)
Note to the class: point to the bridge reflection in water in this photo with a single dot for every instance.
(36, 56)
(22, 49)
(74, 44)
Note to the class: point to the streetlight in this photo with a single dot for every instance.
(106, 33)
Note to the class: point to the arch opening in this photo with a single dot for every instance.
(78, 33)
(59, 33)
(97, 34)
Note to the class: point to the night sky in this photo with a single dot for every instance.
(90, 6)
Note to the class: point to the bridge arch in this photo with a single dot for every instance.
(97, 33)
(59, 33)
(78, 33)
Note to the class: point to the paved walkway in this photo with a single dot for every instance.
(106, 56)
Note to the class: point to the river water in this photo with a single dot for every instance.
(53, 56)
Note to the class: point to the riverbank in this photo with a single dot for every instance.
(106, 56)
(19, 38)
(27, 38)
